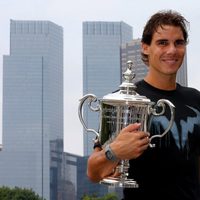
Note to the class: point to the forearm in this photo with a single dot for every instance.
(129, 144)
(98, 166)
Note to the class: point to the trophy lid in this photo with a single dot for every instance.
(126, 92)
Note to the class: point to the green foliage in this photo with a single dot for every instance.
(110, 196)
(17, 193)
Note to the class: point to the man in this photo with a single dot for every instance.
(170, 171)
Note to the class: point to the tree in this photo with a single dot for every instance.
(110, 196)
(17, 193)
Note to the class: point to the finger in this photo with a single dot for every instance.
(141, 135)
(145, 141)
(132, 127)
(143, 148)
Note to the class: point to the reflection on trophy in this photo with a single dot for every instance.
(116, 111)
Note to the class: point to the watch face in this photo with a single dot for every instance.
(109, 155)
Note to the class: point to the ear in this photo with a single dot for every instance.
(145, 48)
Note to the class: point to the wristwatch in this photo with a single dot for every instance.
(110, 155)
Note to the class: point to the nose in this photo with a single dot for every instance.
(172, 48)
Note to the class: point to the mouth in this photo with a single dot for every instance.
(170, 61)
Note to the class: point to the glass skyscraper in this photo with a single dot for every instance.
(33, 108)
(101, 65)
(132, 51)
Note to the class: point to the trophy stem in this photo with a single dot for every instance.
(122, 180)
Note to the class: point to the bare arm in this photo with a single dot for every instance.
(98, 166)
(129, 144)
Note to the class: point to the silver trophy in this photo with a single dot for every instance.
(116, 111)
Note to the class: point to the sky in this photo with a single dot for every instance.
(70, 14)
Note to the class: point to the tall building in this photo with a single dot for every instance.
(33, 108)
(85, 186)
(182, 75)
(132, 51)
(101, 65)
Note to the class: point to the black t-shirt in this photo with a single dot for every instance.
(170, 171)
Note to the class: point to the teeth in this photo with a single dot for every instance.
(170, 60)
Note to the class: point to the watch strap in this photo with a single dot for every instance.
(97, 144)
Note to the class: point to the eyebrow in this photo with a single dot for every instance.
(165, 40)
(161, 40)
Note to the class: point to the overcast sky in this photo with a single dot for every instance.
(70, 14)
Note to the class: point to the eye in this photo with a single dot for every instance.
(162, 42)
(180, 43)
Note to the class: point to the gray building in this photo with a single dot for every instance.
(182, 75)
(84, 185)
(101, 65)
(132, 51)
(33, 108)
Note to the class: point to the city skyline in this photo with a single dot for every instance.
(70, 17)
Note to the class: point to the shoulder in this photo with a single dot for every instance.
(140, 83)
(143, 88)
(190, 96)
(188, 90)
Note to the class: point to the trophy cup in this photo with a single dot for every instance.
(116, 111)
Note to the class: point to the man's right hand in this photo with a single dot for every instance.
(130, 143)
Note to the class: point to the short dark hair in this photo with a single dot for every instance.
(165, 17)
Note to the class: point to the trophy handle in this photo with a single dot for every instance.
(91, 99)
(161, 103)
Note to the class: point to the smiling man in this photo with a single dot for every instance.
(170, 171)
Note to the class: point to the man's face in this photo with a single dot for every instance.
(166, 51)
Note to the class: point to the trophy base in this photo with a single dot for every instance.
(117, 182)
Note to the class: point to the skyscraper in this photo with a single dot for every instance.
(182, 75)
(33, 107)
(132, 51)
(101, 65)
